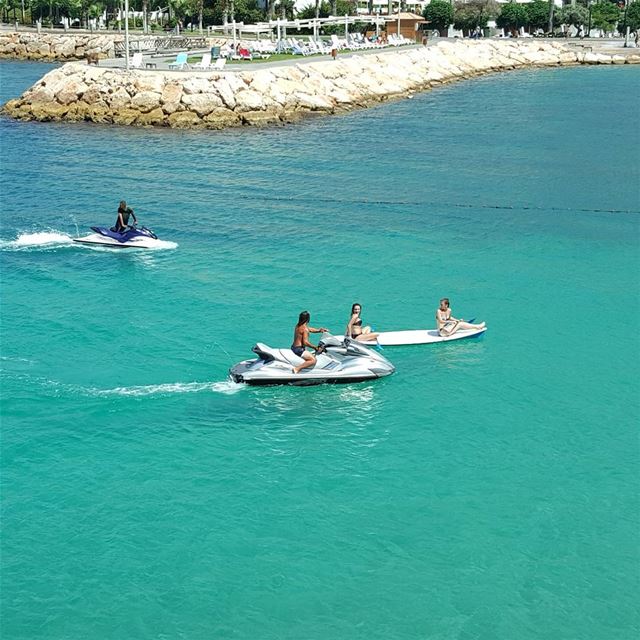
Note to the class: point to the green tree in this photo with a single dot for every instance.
(325, 9)
(439, 14)
(512, 17)
(9, 9)
(537, 15)
(605, 16)
(573, 15)
(475, 13)
(633, 16)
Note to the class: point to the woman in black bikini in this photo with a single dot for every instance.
(301, 340)
(355, 329)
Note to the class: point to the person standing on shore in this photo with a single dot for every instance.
(301, 340)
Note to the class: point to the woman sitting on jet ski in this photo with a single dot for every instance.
(123, 218)
(355, 329)
(301, 340)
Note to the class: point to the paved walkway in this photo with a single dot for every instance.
(161, 61)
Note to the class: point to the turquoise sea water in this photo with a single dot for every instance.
(487, 490)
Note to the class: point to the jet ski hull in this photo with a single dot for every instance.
(104, 242)
(343, 362)
(132, 238)
(298, 380)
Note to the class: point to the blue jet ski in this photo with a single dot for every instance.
(131, 237)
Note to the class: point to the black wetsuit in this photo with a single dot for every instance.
(125, 218)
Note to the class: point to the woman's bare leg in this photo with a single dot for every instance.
(309, 361)
(464, 326)
(367, 337)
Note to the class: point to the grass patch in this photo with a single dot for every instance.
(274, 57)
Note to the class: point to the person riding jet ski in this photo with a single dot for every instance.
(122, 222)
(122, 234)
(301, 340)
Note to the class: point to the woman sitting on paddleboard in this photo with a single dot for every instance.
(355, 329)
(447, 324)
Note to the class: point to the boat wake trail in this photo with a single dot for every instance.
(226, 387)
(45, 240)
(39, 239)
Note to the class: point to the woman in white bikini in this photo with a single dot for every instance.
(355, 330)
(447, 324)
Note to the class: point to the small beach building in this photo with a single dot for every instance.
(411, 25)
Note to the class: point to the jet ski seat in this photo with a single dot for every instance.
(268, 354)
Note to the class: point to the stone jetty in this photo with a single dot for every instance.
(54, 47)
(279, 94)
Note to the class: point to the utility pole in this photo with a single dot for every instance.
(126, 34)
(627, 28)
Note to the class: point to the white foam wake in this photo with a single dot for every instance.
(227, 387)
(163, 244)
(47, 239)
(53, 239)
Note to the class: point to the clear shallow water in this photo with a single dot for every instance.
(486, 490)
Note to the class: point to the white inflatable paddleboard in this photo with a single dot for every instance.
(423, 336)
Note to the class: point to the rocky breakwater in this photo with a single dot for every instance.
(276, 94)
(56, 46)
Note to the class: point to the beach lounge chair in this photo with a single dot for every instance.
(180, 62)
(336, 43)
(298, 49)
(136, 60)
(219, 64)
(241, 53)
(322, 47)
(205, 63)
(255, 55)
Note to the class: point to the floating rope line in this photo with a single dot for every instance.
(413, 203)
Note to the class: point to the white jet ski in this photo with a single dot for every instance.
(339, 360)
(423, 336)
(132, 237)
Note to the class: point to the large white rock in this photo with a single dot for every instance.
(262, 81)
(249, 100)
(202, 103)
(314, 102)
(72, 91)
(146, 100)
(65, 48)
(149, 81)
(197, 85)
(171, 92)
(226, 92)
(119, 99)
